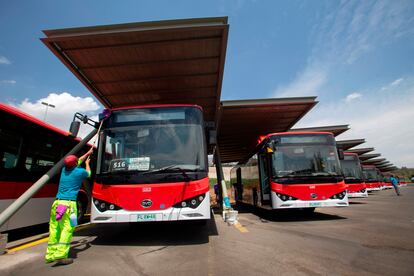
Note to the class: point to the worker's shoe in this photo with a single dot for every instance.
(48, 261)
(65, 261)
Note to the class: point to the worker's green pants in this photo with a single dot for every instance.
(60, 232)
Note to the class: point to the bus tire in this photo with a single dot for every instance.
(81, 204)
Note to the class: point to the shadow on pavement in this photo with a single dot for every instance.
(149, 234)
(287, 215)
(356, 202)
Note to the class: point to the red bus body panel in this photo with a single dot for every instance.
(371, 185)
(163, 195)
(304, 191)
(356, 187)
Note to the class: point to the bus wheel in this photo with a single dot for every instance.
(81, 211)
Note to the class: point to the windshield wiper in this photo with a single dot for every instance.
(171, 168)
(304, 173)
(324, 174)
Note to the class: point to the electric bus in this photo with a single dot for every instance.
(28, 149)
(371, 178)
(152, 166)
(292, 170)
(354, 178)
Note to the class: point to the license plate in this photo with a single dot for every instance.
(146, 217)
(315, 204)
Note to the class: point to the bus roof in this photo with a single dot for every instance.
(20, 114)
(361, 151)
(335, 130)
(368, 166)
(348, 144)
(243, 122)
(160, 62)
(350, 154)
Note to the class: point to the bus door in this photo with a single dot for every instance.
(264, 178)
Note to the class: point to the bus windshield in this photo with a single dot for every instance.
(305, 155)
(154, 140)
(351, 168)
(371, 175)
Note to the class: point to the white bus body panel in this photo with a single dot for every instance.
(170, 214)
(280, 204)
(35, 211)
(358, 194)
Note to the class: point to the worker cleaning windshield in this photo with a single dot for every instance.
(63, 215)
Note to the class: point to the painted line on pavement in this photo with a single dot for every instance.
(240, 227)
(36, 242)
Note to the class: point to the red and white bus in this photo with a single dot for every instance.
(292, 170)
(351, 167)
(372, 178)
(28, 149)
(152, 166)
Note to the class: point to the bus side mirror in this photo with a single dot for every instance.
(212, 137)
(341, 154)
(74, 128)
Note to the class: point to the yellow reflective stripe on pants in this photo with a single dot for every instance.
(60, 232)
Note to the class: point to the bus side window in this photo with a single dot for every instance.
(41, 156)
(10, 147)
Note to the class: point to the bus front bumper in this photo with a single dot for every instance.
(202, 212)
(280, 204)
(358, 194)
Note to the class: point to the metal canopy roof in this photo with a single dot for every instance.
(384, 164)
(242, 123)
(364, 157)
(335, 130)
(373, 161)
(388, 169)
(347, 144)
(360, 151)
(163, 62)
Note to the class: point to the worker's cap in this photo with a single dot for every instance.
(71, 161)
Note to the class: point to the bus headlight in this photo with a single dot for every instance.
(285, 197)
(193, 202)
(340, 195)
(103, 206)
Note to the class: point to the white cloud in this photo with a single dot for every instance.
(353, 96)
(66, 105)
(4, 60)
(8, 81)
(392, 84)
(343, 36)
(384, 119)
(396, 82)
(307, 83)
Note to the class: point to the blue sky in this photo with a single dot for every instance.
(356, 56)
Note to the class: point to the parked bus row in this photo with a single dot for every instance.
(303, 170)
(151, 165)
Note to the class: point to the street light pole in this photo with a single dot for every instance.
(47, 106)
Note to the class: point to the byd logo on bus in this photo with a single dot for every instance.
(146, 203)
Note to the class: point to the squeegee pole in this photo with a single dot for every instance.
(26, 196)
(220, 178)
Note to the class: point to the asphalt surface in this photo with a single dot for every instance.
(374, 236)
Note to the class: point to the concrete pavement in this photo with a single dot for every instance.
(374, 236)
